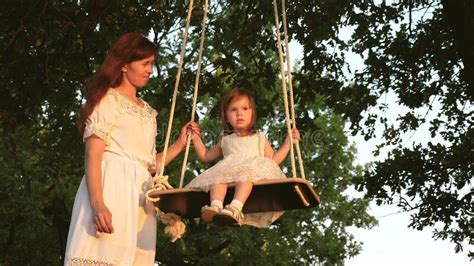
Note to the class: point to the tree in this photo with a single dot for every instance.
(49, 48)
(421, 52)
(427, 63)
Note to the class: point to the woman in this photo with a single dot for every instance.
(111, 223)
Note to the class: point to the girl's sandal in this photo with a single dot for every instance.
(230, 215)
(208, 213)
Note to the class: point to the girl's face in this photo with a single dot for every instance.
(239, 115)
(137, 73)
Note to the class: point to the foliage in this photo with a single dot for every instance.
(421, 52)
(50, 48)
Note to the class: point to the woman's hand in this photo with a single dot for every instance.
(102, 218)
(191, 128)
(173, 151)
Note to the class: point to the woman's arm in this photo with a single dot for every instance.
(93, 163)
(175, 149)
(172, 152)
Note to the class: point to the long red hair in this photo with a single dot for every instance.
(233, 95)
(128, 48)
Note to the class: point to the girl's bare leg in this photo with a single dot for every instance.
(232, 214)
(218, 192)
(242, 191)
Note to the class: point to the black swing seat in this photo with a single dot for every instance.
(267, 195)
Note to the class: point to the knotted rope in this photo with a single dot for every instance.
(174, 226)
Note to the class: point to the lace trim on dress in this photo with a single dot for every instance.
(87, 262)
(101, 130)
(126, 106)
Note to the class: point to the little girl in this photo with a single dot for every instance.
(248, 158)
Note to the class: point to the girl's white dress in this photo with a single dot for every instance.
(243, 161)
(129, 133)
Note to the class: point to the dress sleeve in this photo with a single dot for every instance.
(102, 120)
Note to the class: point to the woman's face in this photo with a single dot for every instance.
(137, 73)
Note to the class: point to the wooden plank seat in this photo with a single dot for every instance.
(267, 195)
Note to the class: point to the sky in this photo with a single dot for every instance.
(392, 242)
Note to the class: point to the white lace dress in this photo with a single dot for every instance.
(129, 133)
(243, 161)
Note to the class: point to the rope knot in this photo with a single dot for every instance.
(174, 226)
(157, 183)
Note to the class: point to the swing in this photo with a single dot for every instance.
(267, 195)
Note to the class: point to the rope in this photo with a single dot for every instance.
(175, 92)
(196, 88)
(290, 83)
(157, 183)
(174, 226)
(283, 83)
